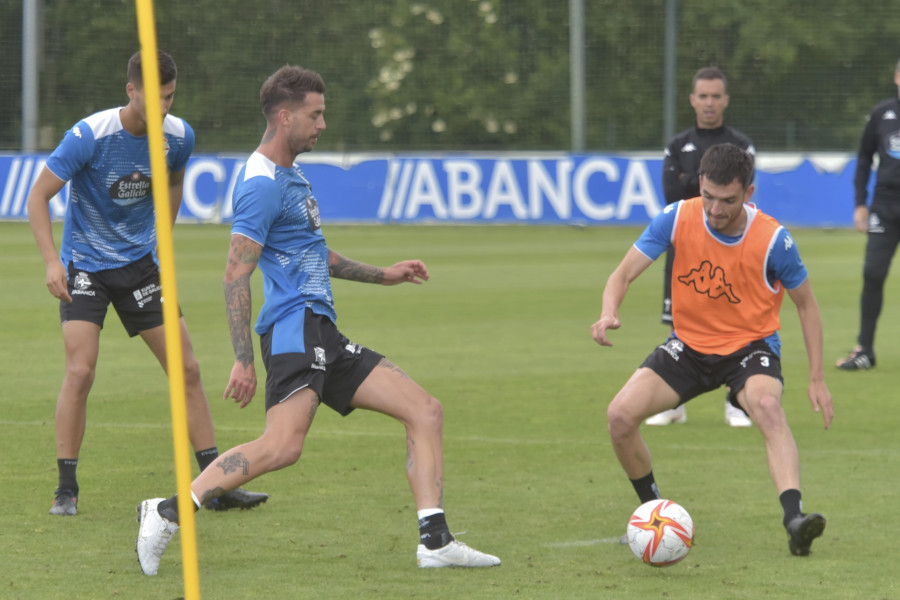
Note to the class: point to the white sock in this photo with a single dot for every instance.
(427, 512)
(194, 498)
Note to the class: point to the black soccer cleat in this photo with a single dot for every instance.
(802, 530)
(857, 360)
(238, 498)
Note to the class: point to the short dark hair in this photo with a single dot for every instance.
(709, 73)
(723, 163)
(168, 71)
(289, 84)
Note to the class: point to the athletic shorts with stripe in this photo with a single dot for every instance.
(691, 373)
(306, 350)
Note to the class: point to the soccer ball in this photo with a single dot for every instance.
(660, 532)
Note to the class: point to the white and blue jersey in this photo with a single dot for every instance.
(274, 206)
(110, 219)
(783, 262)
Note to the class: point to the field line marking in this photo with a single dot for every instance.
(581, 543)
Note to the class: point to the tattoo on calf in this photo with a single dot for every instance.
(234, 462)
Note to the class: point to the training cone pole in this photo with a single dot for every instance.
(171, 318)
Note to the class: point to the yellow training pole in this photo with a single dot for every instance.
(171, 318)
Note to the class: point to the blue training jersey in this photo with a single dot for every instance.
(783, 263)
(110, 220)
(274, 206)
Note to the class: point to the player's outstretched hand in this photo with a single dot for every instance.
(412, 271)
(820, 398)
(598, 329)
(57, 281)
(242, 384)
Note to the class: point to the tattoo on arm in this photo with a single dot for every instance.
(233, 463)
(242, 253)
(343, 268)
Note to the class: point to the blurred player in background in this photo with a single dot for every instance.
(108, 256)
(681, 167)
(308, 361)
(881, 222)
(737, 263)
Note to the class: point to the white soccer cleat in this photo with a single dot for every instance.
(675, 415)
(454, 554)
(735, 417)
(154, 535)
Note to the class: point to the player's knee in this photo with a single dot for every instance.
(874, 275)
(768, 410)
(619, 421)
(431, 414)
(191, 371)
(80, 376)
(285, 455)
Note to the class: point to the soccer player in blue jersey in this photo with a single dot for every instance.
(308, 361)
(108, 256)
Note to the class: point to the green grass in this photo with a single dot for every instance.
(501, 336)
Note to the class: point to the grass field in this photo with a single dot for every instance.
(501, 336)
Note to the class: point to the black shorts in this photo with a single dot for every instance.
(691, 373)
(307, 350)
(134, 291)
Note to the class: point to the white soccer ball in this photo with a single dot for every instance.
(660, 532)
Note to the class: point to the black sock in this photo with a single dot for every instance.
(67, 480)
(169, 508)
(433, 531)
(646, 488)
(790, 503)
(206, 457)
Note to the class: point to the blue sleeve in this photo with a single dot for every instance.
(785, 264)
(657, 237)
(180, 160)
(74, 151)
(256, 204)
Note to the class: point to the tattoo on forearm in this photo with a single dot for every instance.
(389, 365)
(344, 268)
(238, 301)
(237, 307)
(234, 462)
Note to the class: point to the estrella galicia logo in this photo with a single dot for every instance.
(312, 212)
(82, 285)
(710, 280)
(130, 189)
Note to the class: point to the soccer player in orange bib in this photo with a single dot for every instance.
(732, 266)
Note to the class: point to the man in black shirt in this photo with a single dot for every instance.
(881, 221)
(709, 98)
